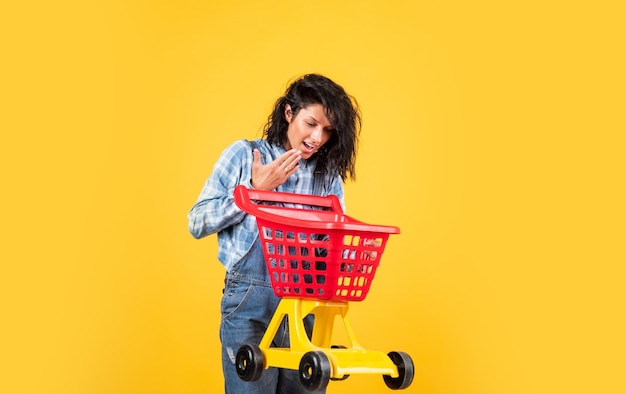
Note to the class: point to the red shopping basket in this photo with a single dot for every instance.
(312, 249)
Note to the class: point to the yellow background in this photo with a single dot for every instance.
(493, 137)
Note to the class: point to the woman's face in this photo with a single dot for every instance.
(309, 130)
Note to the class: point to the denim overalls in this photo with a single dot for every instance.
(248, 305)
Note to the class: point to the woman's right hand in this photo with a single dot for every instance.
(270, 176)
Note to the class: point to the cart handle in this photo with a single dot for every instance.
(244, 197)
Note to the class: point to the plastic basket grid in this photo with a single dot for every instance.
(325, 264)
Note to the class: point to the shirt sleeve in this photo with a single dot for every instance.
(336, 188)
(215, 208)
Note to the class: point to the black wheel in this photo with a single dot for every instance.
(405, 371)
(249, 362)
(344, 377)
(314, 371)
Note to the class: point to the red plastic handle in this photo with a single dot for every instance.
(245, 196)
(335, 219)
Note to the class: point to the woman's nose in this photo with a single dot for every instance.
(316, 135)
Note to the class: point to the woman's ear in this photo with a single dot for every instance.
(288, 113)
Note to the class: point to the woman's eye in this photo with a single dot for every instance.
(310, 124)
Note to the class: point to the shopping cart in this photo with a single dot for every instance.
(318, 260)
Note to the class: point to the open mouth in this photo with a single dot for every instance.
(308, 147)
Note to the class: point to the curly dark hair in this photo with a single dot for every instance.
(338, 155)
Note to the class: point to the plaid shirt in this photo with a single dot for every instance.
(215, 210)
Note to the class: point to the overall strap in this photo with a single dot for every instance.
(318, 181)
(253, 144)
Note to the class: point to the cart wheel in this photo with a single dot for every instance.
(249, 362)
(344, 377)
(405, 371)
(314, 371)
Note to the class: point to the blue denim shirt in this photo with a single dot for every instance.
(215, 210)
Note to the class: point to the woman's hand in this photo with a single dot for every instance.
(274, 174)
(372, 254)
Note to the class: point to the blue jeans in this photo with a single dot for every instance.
(247, 307)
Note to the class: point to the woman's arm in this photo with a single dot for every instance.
(215, 208)
(336, 188)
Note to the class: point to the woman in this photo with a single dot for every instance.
(312, 129)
